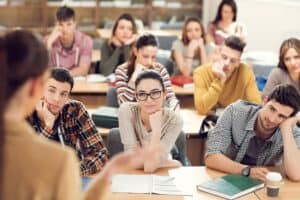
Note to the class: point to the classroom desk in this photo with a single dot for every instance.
(94, 94)
(189, 176)
(106, 33)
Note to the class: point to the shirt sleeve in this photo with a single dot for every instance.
(296, 133)
(207, 92)
(124, 92)
(110, 57)
(93, 151)
(219, 138)
(127, 132)
(68, 180)
(170, 132)
(85, 55)
(252, 93)
(271, 83)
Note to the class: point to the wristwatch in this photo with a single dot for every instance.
(246, 171)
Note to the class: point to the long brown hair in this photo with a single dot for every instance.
(285, 46)
(22, 56)
(184, 36)
(144, 40)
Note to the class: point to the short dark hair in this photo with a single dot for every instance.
(65, 13)
(149, 74)
(235, 43)
(62, 75)
(287, 95)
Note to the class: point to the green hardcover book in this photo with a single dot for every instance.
(106, 117)
(231, 186)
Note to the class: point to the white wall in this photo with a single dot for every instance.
(268, 22)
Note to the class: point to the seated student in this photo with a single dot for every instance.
(143, 57)
(225, 80)
(67, 47)
(30, 166)
(288, 70)
(225, 24)
(146, 122)
(66, 121)
(116, 50)
(190, 52)
(248, 137)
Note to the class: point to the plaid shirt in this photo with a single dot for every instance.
(235, 129)
(79, 132)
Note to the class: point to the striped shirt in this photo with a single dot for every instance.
(126, 92)
(79, 132)
(235, 129)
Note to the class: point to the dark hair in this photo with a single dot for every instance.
(184, 37)
(62, 75)
(149, 74)
(235, 43)
(287, 95)
(143, 41)
(65, 13)
(285, 46)
(230, 3)
(22, 56)
(126, 17)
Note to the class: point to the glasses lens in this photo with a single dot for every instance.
(155, 94)
(141, 96)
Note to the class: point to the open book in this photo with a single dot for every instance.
(231, 186)
(143, 184)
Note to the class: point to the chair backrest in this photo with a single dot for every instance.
(166, 41)
(114, 144)
(178, 152)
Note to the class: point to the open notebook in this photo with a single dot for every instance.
(231, 186)
(146, 184)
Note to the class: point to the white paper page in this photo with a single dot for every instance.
(166, 185)
(126, 183)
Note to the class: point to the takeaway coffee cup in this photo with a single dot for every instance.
(273, 183)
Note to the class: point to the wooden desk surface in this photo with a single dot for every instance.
(191, 122)
(187, 176)
(84, 87)
(106, 33)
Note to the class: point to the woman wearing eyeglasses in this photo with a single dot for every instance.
(143, 56)
(147, 123)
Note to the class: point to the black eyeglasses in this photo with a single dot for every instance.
(143, 96)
